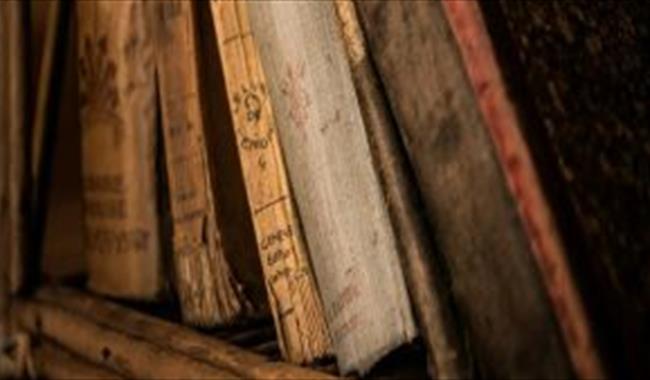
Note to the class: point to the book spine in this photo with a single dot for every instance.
(466, 22)
(4, 180)
(474, 218)
(347, 228)
(448, 358)
(16, 134)
(294, 298)
(118, 106)
(208, 292)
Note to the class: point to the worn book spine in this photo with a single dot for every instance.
(118, 107)
(474, 216)
(207, 290)
(500, 118)
(4, 180)
(424, 272)
(47, 97)
(351, 242)
(294, 299)
(14, 85)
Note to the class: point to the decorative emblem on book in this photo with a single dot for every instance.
(139, 54)
(250, 99)
(248, 104)
(299, 101)
(98, 90)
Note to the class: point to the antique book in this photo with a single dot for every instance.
(293, 294)
(15, 124)
(51, 53)
(62, 253)
(578, 76)
(423, 269)
(481, 193)
(118, 119)
(53, 34)
(351, 241)
(207, 290)
(4, 201)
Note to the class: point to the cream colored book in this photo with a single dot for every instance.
(351, 241)
(118, 107)
(206, 287)
(293, 294)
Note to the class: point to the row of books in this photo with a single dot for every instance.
(366, 173)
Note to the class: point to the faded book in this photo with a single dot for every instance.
(118, 107)
(351, 242)
(208, 292)
(14, 87)
(423, 268)
(294, 299)
(479, 189)
(4, 181)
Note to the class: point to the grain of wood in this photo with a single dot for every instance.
(182, 340)
(294, 298)
(54, 362)
(121, 352)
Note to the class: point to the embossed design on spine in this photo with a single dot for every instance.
(98, 91)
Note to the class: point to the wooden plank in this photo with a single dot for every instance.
(54, 362)
(171, 337)
(121, 352)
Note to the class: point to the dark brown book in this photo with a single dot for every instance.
(488, 216)
(578, 75)
(423, 270)
(15, 203)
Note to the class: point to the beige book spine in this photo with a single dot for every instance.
(352, 244)
(117, 88)
(293, 294)
(208, 292)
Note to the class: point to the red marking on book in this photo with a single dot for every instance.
(498, 112)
